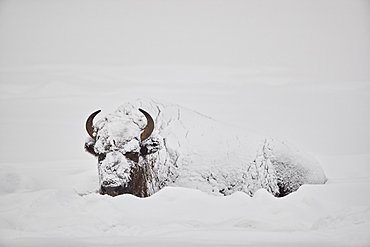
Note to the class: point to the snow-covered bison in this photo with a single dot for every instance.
(141, 151)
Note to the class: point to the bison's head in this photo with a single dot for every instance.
(121, 143)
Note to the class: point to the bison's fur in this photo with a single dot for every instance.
(146, 145)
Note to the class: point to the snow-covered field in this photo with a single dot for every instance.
(48, 183)
(312, 92)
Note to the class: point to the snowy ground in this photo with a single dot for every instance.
(296, 70)
(48, 205)
(46, 200)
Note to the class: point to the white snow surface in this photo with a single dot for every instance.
(295, 70)
(55, 201)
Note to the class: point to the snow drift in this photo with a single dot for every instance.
(54, 203)
(48, 193)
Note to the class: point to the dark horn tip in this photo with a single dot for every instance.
(89, 124)
(149, 127)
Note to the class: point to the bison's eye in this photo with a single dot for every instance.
(107, 147)
(134, 156)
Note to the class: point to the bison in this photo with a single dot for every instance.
(146, 145)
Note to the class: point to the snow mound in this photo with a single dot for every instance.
(62, 209)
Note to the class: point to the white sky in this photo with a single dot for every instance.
(319, 39)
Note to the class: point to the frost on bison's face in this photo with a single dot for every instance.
(121, 144)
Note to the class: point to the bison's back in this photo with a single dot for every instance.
(199, 152)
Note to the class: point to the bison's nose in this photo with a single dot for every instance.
(112, 191)
(106, 183)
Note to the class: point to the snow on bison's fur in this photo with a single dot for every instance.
(146, 145)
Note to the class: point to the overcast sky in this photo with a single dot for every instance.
(322, 40)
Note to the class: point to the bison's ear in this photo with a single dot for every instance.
(149, 126)
(149, 146)
(89, 147)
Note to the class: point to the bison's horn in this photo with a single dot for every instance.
(89, 124)
(149, 127)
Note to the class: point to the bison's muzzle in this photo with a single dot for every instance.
(113, 191)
